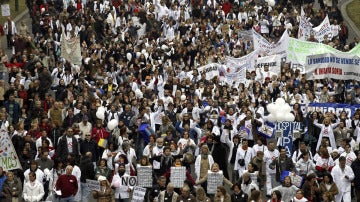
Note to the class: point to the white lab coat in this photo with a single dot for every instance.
(198, 165)
(338, 175)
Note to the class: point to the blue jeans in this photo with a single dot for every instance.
(67, 199)
(84, 192)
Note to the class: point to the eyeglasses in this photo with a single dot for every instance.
(70, 131)
(87, 135)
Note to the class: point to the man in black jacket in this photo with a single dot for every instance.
(89, 145)
(87, 173)
(67, 145)
(356, 182)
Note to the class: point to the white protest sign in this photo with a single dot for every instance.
(138, 194)
(93, 185)
(145, 174)
(129, 181)
(5, 10)
(214, 180)
(210, 70)
(8, 157)
(324, 29)
(178, 176)
(336, 66)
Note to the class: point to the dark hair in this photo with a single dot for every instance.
(329, 176)
(278, 194)
(342, 158)
(236, 185)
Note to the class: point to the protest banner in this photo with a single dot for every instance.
(178, 176)
(5, 10)
(336, 66)
(8, 157)
(213, 181)
(305, 27)
(145, 174)
(330, 107)
(138, 194)
(210, 70)
(265, 48)
(93, 185)
(70, 49)
(324, 29)
(287, 129)
(274, 62)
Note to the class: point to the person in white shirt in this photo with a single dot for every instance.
(348, 154)
(260, 146)
(269, 157)
(244, 155)
(343, 175)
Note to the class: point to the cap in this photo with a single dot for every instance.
(101, 178)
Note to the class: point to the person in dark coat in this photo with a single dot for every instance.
(87, 173)
(13, 109)
(67, 145)
(356, 168)
(282, 163)
(219, 155)
(89, 145)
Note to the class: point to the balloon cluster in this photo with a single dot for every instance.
(279, 111)
(100, 113)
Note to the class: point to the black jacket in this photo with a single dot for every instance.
(87, 169)
(240, 197)
(62, 149)
(356, 168)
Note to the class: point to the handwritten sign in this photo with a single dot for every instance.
(93, 185)
(178, 176)
(214, 180)
(8, 157)
(145, 174)
(138, 194)
(5, 10)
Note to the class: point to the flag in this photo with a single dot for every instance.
(267, 130)
(8, 157)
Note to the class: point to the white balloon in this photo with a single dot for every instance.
(112, 124)
(100, 115)
(138, 54)
(271, 118)
(271, 108)
(281, 117)
(286, 108)
(280, 101)
(101, 109)
(128, 56)
(289, 117)
(183, 97)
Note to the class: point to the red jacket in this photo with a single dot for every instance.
(98, 133)
(68, 185)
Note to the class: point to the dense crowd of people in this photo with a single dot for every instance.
(139, 67)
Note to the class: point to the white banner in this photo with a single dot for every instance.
(145, 174)
(274, 62)
(210, 70)
(234, 70)
(8, 157)
(324, 29)
(305, 27)
(178, 176)
(70, 49)
(266, 48)
(335, 66)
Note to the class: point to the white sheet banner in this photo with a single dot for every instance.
(335, 66)
(274, 62)
(70, 49)
(210, 70)
(305, 27)
(324, 29)
(267, 48)
(8, 157)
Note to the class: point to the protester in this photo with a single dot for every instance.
(169, 69)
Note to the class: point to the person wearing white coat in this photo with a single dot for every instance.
(203, 162)
(33, 189)
(246, 153)
(233, 147)
(10, 31)
(343, 175)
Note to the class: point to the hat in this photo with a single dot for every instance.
(101, 178)
(335, 150)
